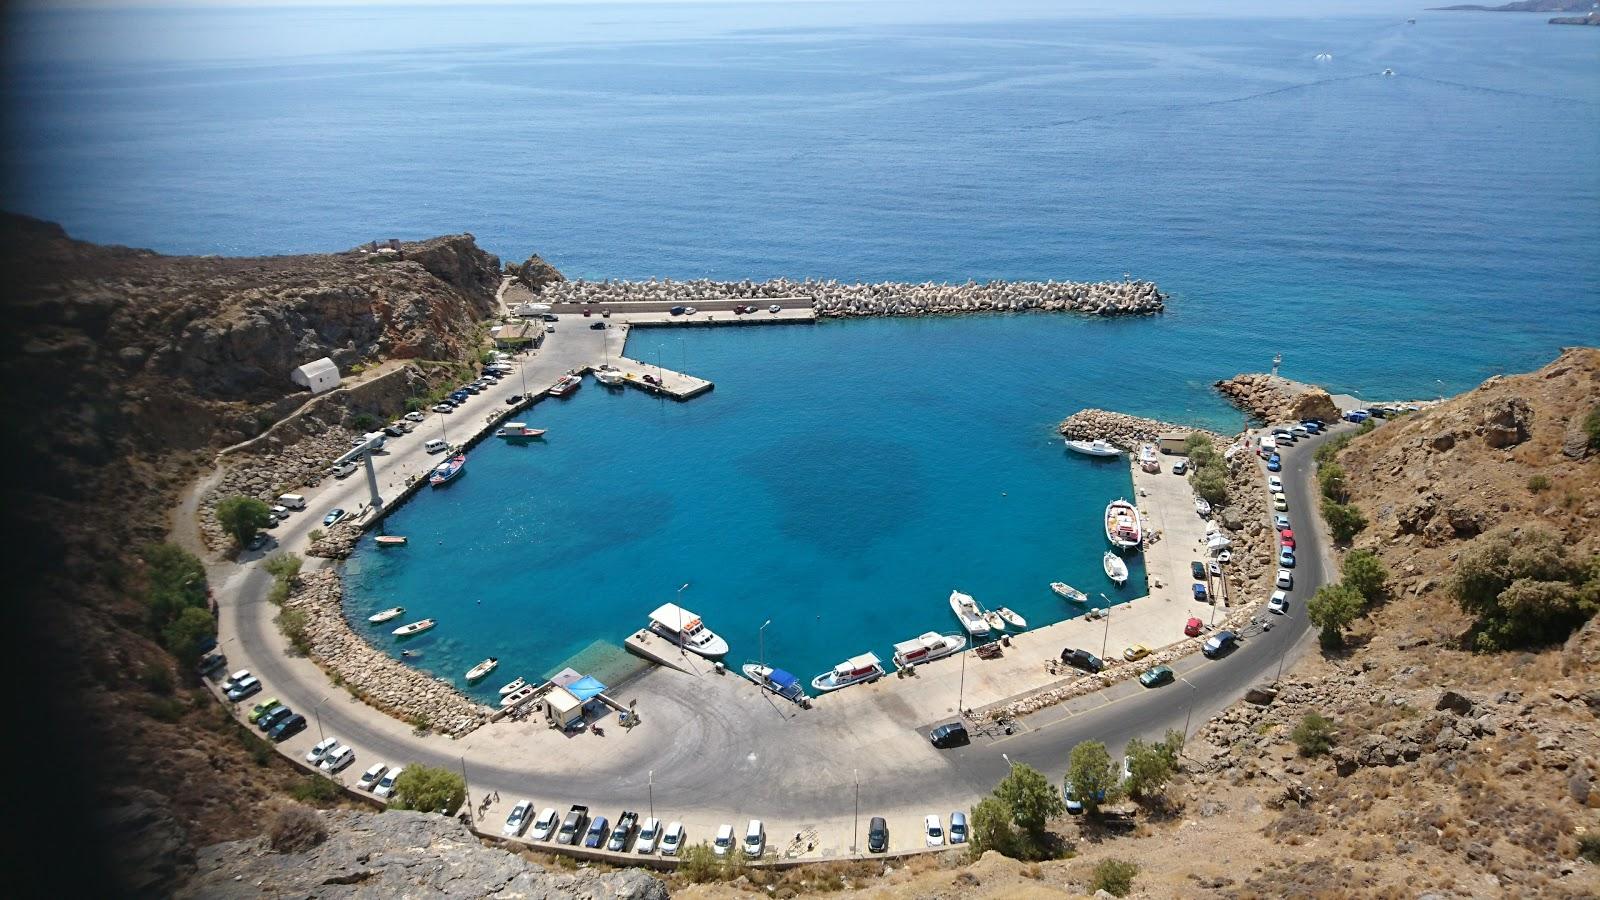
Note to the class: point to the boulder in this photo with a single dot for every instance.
(1458, 703)
(1442, 441)
(1506, 421)
(536, 273)
(1261, 695)
(1575, 441)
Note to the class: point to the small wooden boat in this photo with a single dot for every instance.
(1124, 526)
(517, 696)
(1012, 619)
(1068, 592)
(1116, 569)
(390, 540)
(514, 686)
(393, 612)
(995, 622)
(414, 628)
(448, 470)
(481, 669)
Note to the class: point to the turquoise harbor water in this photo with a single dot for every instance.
(1396, 236)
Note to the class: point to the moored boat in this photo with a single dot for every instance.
(568, 383)
(518, 431)
(390, 540)
(775, 680)
(393, 612)
(414, 628)
(514, 686)
(995, 622)
(448, 470)
(685, 629)
(1068, 592)
(926, 648)
(1149, 460)
(1202, 507)
(854, 670)
(1012, 619)
(517, 696)
(1116, 569)
(971, 616)
(481, 669)
(1096, 447)
(1123, 527)
(608, 375)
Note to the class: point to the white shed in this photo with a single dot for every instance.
(318, 375)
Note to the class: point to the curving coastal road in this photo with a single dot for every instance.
(720, 755)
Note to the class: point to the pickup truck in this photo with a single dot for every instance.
(572, 825)
(624, 830)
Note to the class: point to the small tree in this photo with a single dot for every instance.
(1114, 876)
(1364, 573)
(364, 422)
(1524, 589)
(429, 789)
(1314, 735)
(175, 580)
(991, 829)
(1090, 776)
(1344, 521)
(1031, 798)
(185, 635)
(1151, 766)
(1332, 609)
(242, 517)
(1330, 478)
(1211, 483)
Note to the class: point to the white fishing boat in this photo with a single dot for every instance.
(685, 629)
(777, 681)
(390, 540)
(1202, 507)
(995, 622)
(926, 648)
(517, 696)
(481, 669)
(1116, 569)
(970, 614)
(1012, 619)
(1068, 592)
(1124, 529)
(608, 375)
(568, 383)
(1149, 459)
(414, 628)
(1096, 447)
(854, 670)
(514, 686)
(518, 431)
(393, 612)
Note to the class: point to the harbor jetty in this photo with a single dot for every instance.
(1121, 429)
(835, 299)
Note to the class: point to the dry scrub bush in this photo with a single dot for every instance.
(296, 828)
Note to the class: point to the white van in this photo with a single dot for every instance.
(436, 446)
(292, 501)
(755, 839)
(343, 471)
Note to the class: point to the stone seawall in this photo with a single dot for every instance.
(1273, 398)
(1121, 429)
(890, 298)
(373, 676)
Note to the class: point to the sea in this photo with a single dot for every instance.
(1392, 236)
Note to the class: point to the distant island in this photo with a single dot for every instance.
(1591, 19)
(1525, 6)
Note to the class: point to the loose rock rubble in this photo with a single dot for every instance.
(272, 472)
(1120, 429)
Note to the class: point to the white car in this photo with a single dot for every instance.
(689, 310)
(723, 841)
(344, 471)
(415, 416)
(517, 822)
(672, 839)
(232, 681)
(755, 839)
(322, 748)
(1275, 484)
(1279, 603)
(649, 833)
(443, 408)
(933, 830)
(1215, 568)
(1280, 502)
(774, 308)
(1285, 579)
(545, 825)
(386, 783)
(337, 760)
(369, 778)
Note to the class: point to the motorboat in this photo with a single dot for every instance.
(995, 622)
(1096, 447)
(393, 612)
(1388, 72)
(1149, 460)
(685, 629)
(518, 430)
(1202, 507)
(390, 540)
(1012, 619)
(1116, 569)
(968, 611)
(1068, 592)
(1123, 527)
(414, 628)
(568, 383)
(449, 470)
(927, 647)
(517, 696)
(481, 669)
(514, 686)
(854, 670)
(609, 375)
(777, 681)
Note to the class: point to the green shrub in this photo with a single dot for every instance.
(284, 565)
(1330, 450)
(1114, 876)
(175, 580)
(1344, 521)
(317, 789)
(1330, 478)
(164, 709)
(1211, 483)
(292, 622)
(1589, 847)
(242, 517)
(1364, 573)
(296, 829)
(698, 864)
(1332, 609)
(1366, 426)
(1538, 484)
(1591, 427)
(429, 789)
(364, 422)
(156, 678)
(1314, 735)
(185, 635)
(1524, 589)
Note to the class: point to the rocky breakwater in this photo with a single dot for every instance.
(400, 854)
(1123, 430)
(1273, 398)
(371, 675)
(890, 298)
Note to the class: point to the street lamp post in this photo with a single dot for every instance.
(855, 829)
(652, 793)
(961, 691)
(317, 712)
(471, 816)
(761, 638)
(681, 651)
(1106, 639)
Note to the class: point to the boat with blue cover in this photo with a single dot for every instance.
(777, 681)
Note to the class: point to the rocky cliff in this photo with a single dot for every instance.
(1274, 399)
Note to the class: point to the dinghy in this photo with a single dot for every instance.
(482, 669)
(1116, 569)
(1012, 619)
(514, 686)
(1068, 592)
(966, 609)
(393, 612)
(390, 540)
(995, 622)
(414, 628)
(517, 696)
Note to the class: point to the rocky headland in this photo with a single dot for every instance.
(1121, 429)
(1275, 399)
(836, 299)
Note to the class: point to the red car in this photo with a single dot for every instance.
(1288, 541)
(1192, 627)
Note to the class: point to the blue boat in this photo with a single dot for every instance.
(448, 470)
(775, 680)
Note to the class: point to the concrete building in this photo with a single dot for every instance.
(319, 375)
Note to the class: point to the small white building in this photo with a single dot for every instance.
(319, 375)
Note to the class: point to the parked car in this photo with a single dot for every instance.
(1286, 558)
(369, 779)
(334, 517)
(288, 728)
(774, 308)
(649, 835)
(337, 760)
(1219, 644)
(517, 822)
(1280, 502)
(1200, 592)
(1180, 467)
(1285, 579)
(262, 708)
(877, 835)
(1156, 676)
(545, 825)
(550, 317)
(1197, 569)
(343, 471)
(1215, 568)
(1275, 484)
(672, 839)
(1286, 539)
(950, 734)
(385, 786)
(1280, 522)
(597, 326)
(273, 717)
(755, 839)
(513, 400)
(596, 834)
(1193, 627)
(1137, 651)
(1275, 465)
(443, 408)
(1279, 603)
(415, 416)
(1301, 431)
(210, 664)
(394, 431)
(248, 687)
(1082, 659)
(322, 748)
(677, 311)
(258, 541)
(933, 831)
(958, 828)
(623, 831)
(723, 842)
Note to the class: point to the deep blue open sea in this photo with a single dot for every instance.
(1394, 236)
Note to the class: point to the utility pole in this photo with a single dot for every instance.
(961, 691)
(317, 711)
(1107, 638)
(471, 816)
(855, 829)
(653, 793)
